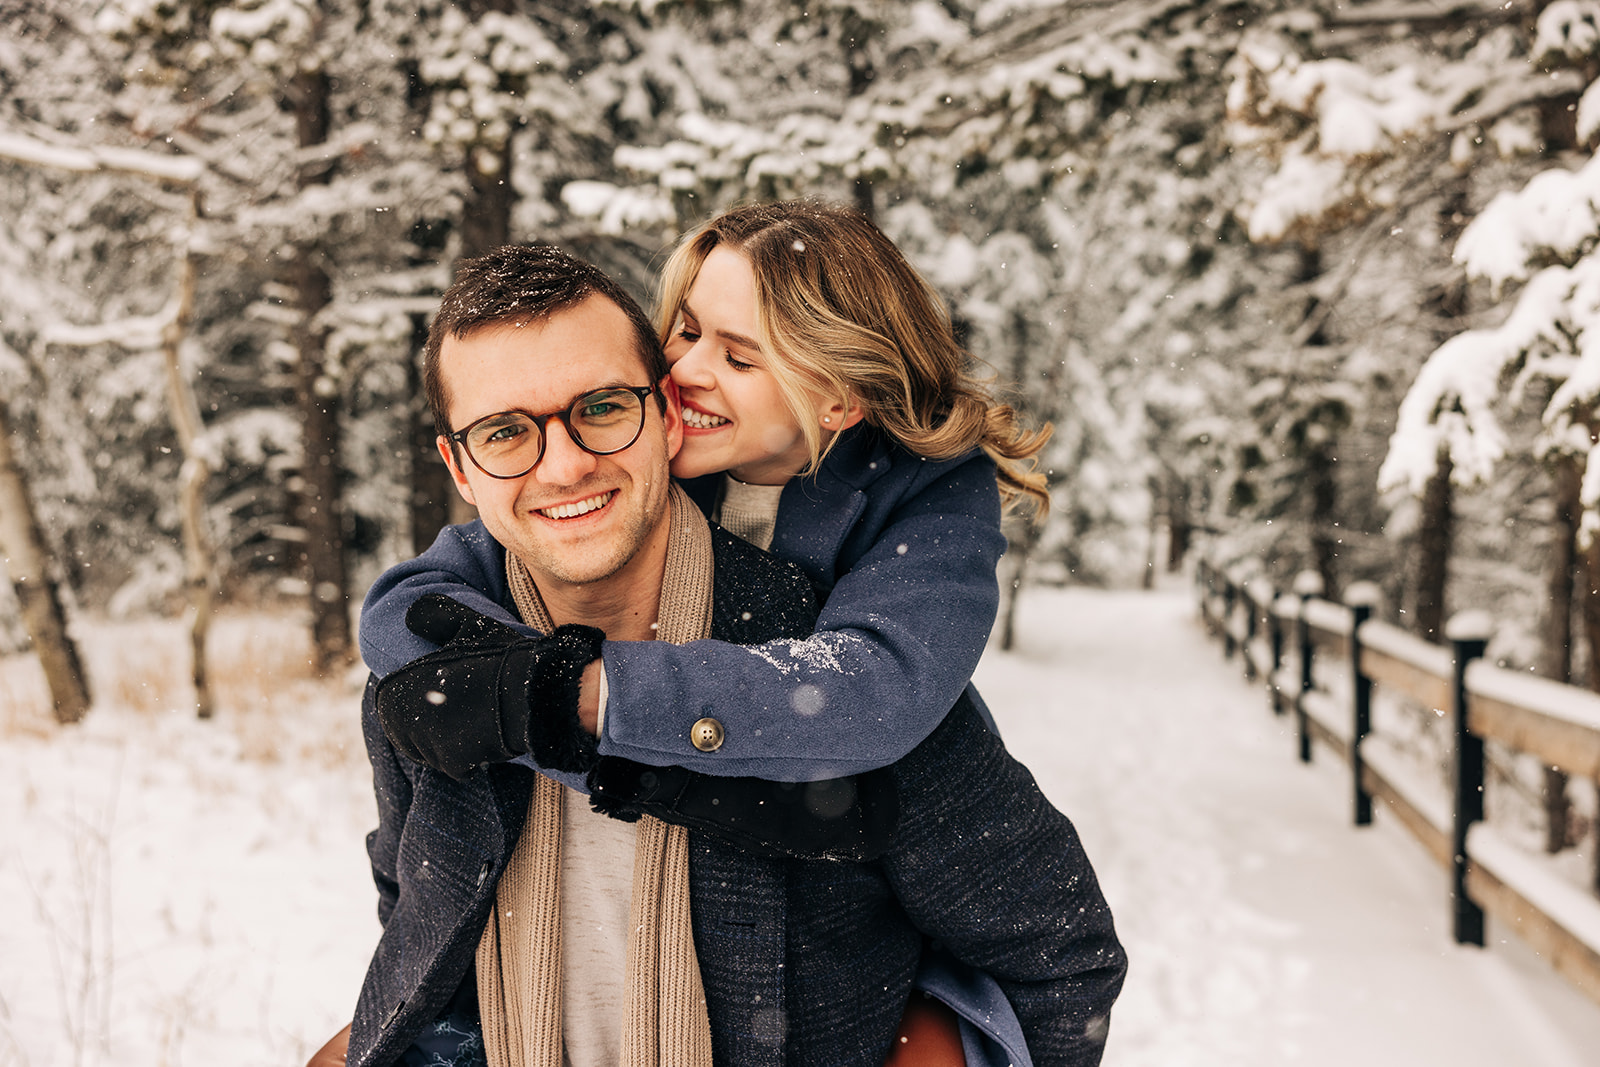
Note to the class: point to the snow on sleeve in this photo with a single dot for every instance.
(819, 652)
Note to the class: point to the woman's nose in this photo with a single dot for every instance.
(692, 368)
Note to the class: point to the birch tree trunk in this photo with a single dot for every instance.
(199, 554)
(36, 591)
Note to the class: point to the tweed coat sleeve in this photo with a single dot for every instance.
(985, 865)
(436, 855)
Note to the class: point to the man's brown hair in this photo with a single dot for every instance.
(526, 283)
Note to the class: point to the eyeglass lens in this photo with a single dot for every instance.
(509, 445)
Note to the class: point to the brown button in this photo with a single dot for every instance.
(706, 735)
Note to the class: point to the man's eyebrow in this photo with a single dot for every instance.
(727, 335)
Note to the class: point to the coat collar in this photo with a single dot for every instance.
(818, 511)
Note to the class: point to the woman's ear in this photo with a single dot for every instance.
(837, 416)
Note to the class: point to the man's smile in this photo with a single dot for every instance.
(578, 507)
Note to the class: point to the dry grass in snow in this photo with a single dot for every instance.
(182, 892)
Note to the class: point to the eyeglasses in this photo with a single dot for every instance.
(509, 444)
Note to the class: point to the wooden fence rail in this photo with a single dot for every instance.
(1297, 642)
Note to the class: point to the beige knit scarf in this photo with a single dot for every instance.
(519, 955)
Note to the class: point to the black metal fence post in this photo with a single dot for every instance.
(1468, 634)
(1361, 598)
(1307, 584)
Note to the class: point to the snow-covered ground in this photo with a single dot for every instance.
(189, 893)
(1262, 928)
(182, 893)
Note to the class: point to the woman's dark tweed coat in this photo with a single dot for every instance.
(805, 962)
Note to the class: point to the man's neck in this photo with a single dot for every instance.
(625, 605)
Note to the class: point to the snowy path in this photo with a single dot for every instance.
(1262, 927)
(189, 893)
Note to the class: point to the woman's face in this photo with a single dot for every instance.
(734, 417)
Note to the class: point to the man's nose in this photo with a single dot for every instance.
(563, 463)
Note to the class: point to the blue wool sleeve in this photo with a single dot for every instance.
(464, 563)
(913, 598)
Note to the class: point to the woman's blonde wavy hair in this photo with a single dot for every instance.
(847, 317)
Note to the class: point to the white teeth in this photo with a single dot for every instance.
(701, 420)
(581, 507)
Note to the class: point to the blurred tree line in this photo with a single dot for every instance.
(1211, 241)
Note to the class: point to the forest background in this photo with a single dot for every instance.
(1310, 281)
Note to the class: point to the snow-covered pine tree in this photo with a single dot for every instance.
(284, 101)
(1364, 132)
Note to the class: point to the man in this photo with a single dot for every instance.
(587, 940)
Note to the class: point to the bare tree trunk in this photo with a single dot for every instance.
(486, 216)
(431, 488)
(198, 552)
(1324, 513)
(485, 225)
(1556, 653)
(1021, 550)
(1180, 527)
(36, 591)
(1152, 531)
(1434, 541)
(317, 398)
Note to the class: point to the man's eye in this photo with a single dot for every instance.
(505, 434)
(598, 410)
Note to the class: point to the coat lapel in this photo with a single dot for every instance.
(817, 514)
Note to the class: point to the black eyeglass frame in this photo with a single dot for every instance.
(643, 392)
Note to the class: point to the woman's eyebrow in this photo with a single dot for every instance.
(727, 335)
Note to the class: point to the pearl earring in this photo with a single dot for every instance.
(826, 419)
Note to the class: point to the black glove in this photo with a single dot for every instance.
(473, 701)
(851, 819)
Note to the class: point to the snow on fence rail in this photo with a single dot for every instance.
(1297, 642)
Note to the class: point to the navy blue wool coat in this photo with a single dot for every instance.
(805, 962)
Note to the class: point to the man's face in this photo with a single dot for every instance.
(576, 518)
